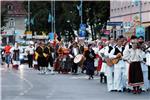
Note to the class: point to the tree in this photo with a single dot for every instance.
(3, 17)
(96, 13)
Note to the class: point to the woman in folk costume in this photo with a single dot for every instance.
(135, 71)
(126, 56)
(16, 50)
(90, 56)
(119, 67)
(148, 61)
(96, 60)
(103, 53)
(40, 59)
(59, 59)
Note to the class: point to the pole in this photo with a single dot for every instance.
(81, 13)
(140, 12)
(29, 15)
(54, 18)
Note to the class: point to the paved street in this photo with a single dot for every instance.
(27, 84)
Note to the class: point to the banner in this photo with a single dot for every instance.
(107, 32)
(140, 31)
(82, 31)
(51, 36)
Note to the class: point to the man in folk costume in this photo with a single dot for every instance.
(135, 71)
(119, 67)
(142, 46)
(30, 53)
(148, 62)
(126, 56)
(47, 56)
(16, 50)
(104, 52)
(40, 59)
(51, 58)
(74, 51)
(90, 56)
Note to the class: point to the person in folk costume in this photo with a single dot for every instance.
(46, 53)
(120, 66)
(7, 53)
(90, 56)
(68, 62)
(40, 59)
(16, 50)
(126, 56)
(142, 46)
(30, 52)
(96, 49)
(148, 61)
(60, 58)
(51, 58)
(104, 53)
(135, 71)
(100, 46)
(74, 51)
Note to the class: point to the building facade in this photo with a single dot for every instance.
(131, 13)
(15, 18)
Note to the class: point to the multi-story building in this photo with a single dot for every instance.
(15, 18)
(130, 13)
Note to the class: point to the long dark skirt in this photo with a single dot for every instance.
(90, 67)
(41, 61)
(148, 72)
(135, 74)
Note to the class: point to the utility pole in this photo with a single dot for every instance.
(140, 12)
(28, 15)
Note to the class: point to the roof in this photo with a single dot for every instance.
(16, 10)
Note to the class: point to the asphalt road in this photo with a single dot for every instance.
(28, 84)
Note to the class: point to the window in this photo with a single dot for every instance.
(121, 8)
(11, 22)
(128, 6)
(10, 7)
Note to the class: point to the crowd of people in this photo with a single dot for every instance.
(123, 64)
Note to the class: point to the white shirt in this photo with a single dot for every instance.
(148, 57)
(30, 49)
(136, 55)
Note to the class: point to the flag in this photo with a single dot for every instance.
(32, 21)
(50, 18)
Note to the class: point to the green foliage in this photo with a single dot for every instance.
(67, 15)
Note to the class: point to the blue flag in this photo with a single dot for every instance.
(32, 21)
(49, 18)
(51, 36)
